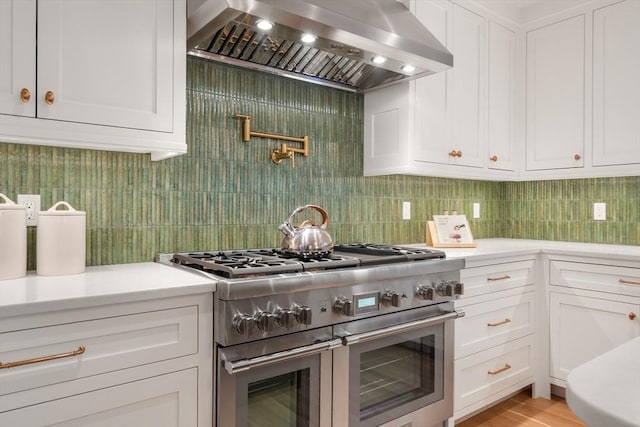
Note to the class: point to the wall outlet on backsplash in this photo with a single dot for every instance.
(600, 211)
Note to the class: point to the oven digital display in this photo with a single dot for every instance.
(365, 303)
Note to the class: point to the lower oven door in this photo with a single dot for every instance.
(400, 374)
(287, 388)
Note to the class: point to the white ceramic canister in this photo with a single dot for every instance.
(61, 241)
(13, 239)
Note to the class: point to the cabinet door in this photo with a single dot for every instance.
(583, 328)
(106, 62)
(17, 57)
(501, 131)
(555, 95)
(431, 107)
(616, 93)
(168, 400)
(467, 85)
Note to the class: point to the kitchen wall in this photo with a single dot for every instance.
(226, 193)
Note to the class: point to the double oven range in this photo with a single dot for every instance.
(363, 337)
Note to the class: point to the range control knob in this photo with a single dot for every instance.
(265, 321)
(343, 306)
(243, 324)
(391, 298)
(285, 318)
(450, 288)
(303, 314)
(427, 292)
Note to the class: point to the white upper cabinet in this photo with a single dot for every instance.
(501, 133)
(18, 57)
(616, 92)
(438, 125)
(555, 97)
(110, 74)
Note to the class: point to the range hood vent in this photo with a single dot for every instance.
(348, 34)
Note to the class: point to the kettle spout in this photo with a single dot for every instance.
(287, 229)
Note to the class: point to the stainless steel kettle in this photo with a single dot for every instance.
(307, 240)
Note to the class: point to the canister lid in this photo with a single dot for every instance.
(70, 211)
(9, 204)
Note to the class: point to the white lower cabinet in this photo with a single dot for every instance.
(143, 364)
(169, 400)
(495, 340)
(592, 309)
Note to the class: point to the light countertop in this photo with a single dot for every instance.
(108, 284)
(606, 390)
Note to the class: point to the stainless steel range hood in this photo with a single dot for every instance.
(349, 34)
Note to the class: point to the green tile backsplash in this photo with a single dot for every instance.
(226, 193)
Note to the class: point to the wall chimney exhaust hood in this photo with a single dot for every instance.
(355, 45)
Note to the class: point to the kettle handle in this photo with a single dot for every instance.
(325, 216)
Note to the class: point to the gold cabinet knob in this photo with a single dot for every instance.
(459, 153)
(577, 157)
(632, 316)
(25, 95)
(453, 153)
(493, 158)
(49, 97)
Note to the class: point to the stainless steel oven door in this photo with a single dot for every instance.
(395, 366)
(269, 383)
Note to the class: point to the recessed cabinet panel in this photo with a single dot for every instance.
(555, 100)
(616, 92)
(18, 57)
(501, 95)
(89, 73)
(583, 328)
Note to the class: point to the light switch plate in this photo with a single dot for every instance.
(600, 211)
(406, 210)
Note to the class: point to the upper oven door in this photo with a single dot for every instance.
(386, 373)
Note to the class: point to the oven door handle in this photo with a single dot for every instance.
(396, 329)
(256, 362)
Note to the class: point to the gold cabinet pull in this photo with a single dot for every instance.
(497, 371)
(25, 95)
(632, 316)
(629, 282)
(495, 279)
(577, 157)
(459, 153)
(503, 322)
(49, 97)
(493, 158)
(453, 153)
(77, 352)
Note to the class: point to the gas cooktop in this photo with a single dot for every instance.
(270, 261)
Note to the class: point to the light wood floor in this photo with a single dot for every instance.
(523, 411)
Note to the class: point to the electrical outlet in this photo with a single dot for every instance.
(32, 203)
(406, 210)
(476, 210)
(600, 211)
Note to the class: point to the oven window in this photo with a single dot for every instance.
(280, 401)
(396, 374)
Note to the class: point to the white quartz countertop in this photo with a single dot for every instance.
(107, 284)
(493, 248)
(606, 390)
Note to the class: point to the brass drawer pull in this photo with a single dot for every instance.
(493, 158)
(632, 316)
(497, 371)
(629, 282)
(505, 321)
(495, 279)
(577, 157)
(77, 352)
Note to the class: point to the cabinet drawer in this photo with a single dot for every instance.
(168, 400)
(498, 277)
(494, 322)
(483, 374)
(596, 277)
(109, 344)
